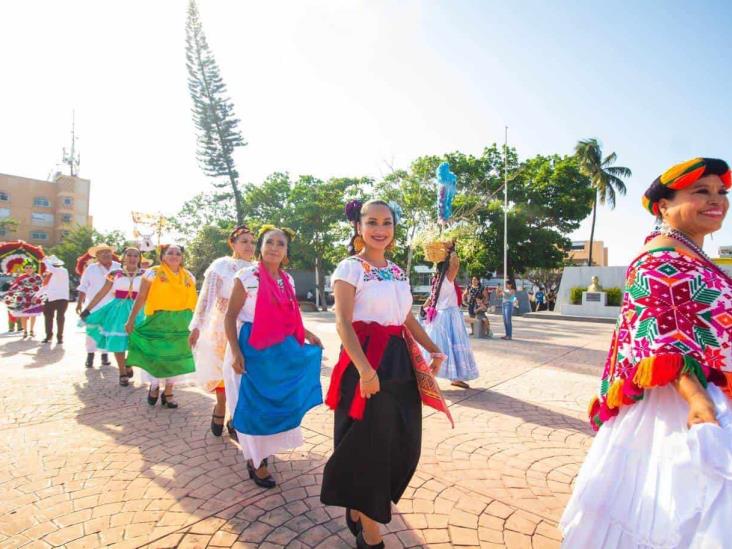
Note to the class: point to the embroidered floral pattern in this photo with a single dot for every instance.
(391, 272)
(674, 318)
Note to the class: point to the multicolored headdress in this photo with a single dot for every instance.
(681, 176)
(238, 231)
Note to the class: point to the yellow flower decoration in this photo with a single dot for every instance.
(269, 227)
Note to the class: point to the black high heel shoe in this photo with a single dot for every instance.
(152, 401)
(361, 543)
(232, 431)
(165, 403)
(353, 525)
(267, 482)
(216, 428)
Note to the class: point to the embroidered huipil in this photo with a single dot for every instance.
(676, 317)
(209, 319)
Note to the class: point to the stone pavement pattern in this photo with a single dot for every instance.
(87, 463)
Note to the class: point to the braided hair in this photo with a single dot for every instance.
(428, 307)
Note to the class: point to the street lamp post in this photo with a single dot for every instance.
(505, 210)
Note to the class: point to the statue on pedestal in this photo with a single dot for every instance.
(594, 285)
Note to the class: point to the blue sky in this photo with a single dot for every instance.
(334, 87)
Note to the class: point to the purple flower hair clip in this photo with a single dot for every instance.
(353, 210)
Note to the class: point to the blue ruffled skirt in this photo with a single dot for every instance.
(280, 384)
(448, 332)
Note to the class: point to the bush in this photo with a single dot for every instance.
(614, 296)
(575, 295)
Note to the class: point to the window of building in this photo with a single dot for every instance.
(41, 202)
(4, 212)
(4, 197)
(68, 201)
(39, 235)
(65, 218)
(578, 245)
(43, 219)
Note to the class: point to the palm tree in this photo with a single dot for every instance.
(606, 179)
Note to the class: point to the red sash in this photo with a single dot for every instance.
(378, 337)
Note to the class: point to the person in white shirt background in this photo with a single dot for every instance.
(56, 292)
(94, 277)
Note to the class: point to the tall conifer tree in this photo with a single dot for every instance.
(213, 112)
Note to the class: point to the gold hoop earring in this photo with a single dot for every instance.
(358, 243)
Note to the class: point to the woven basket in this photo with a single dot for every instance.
(436, 250)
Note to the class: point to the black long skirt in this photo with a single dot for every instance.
(374, 458)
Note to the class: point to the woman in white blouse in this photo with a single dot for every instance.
(272, 377)
(208, 337)
(378, 412)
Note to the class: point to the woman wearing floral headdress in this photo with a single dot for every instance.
(374, 388)
(277, 374)
(659, 472)
(22, 297)
(159, 344)
(208, 336)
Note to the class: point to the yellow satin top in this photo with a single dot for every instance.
(170, 291)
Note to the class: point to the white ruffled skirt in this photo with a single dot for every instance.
(650, 482)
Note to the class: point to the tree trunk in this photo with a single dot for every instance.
(410, 253)
(592, 230)
(321, 284)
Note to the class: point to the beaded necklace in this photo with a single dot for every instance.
(679, 236)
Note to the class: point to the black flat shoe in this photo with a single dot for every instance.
(165, 403)
(353, 526)
(47, 340)
(60, 341)
(232, 431)
(152, 401)
(90, 360)
(361, 543)
(124, 381)
(216, 428)
(267, 482)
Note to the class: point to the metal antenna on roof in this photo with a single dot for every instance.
(72, 158)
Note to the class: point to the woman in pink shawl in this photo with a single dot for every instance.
(276, 374)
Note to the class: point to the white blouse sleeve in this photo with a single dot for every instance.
(150, 274)
(210, 291)
(348, 270)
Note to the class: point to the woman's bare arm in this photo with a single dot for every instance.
(236, 303)
(138, 305)
(100, 295)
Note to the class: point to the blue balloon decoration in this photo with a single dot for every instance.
(446, 189)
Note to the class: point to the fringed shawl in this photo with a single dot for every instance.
(676, 317)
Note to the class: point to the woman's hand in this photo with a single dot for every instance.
(701, 409)
(369, 383)
(238, 364)
(193, 337)
(436, 362)
(130, 326)
(313, 339)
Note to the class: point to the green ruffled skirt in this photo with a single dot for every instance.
(159, 344)
(106, 326)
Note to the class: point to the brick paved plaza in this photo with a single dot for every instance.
(87, 463)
